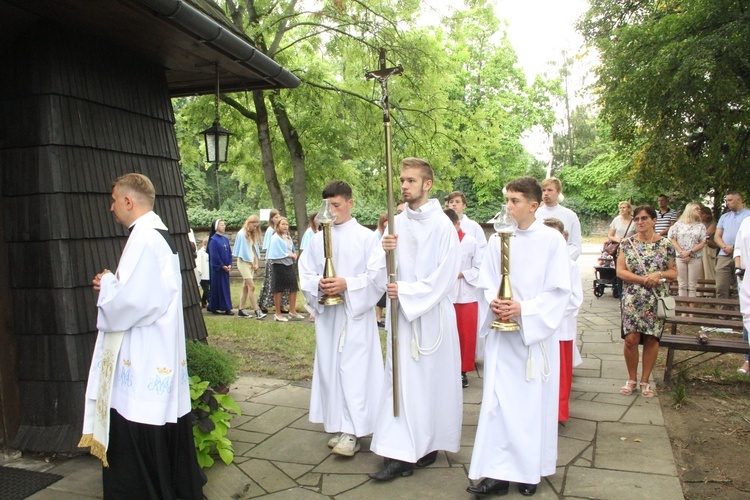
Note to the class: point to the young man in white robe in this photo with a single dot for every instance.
(464, 297)
(348, 367)
(551, 208)
(429, 390)
(456, 201)
(516, 437)
(138, 399)
(568, 330)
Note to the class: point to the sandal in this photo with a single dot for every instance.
(628, 388)
(646, 390)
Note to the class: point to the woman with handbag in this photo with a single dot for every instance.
(645, 262)
(622, 225)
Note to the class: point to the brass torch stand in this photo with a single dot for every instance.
(328, 270)
(505, 293)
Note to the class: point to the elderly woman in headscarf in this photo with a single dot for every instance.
(220, 262)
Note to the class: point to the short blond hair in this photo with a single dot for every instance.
(552, 180)
(424, 167)
(138, 184)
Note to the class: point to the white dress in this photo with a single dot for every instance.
(431, 402)
(517, 433)
(348, 367)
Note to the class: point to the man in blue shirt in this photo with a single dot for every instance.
(726, 233)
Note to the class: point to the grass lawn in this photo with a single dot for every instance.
(266, 347)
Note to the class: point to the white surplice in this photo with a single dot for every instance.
(431, 402)
(143, 298)
(570, 222)
(742, 250)
(517, 433)
(348, 367)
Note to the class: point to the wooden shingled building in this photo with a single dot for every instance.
(85, 89)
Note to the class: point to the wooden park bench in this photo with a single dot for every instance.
(705, 286)
(705, 313)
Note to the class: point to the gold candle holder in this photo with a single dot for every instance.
(326, 219)
(504, 226)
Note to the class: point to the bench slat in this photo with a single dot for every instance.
(685, 343)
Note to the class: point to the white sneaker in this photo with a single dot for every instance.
(348, 445)
(334, 440)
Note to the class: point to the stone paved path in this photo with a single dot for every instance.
(613, 446)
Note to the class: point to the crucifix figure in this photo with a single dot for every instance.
(382, 75)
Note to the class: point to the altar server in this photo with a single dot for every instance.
(516, 437)
(348, 367)
(430, 399)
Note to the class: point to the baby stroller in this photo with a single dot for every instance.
(605, 276)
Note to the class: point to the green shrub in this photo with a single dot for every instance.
(211, 422)
(210, 364)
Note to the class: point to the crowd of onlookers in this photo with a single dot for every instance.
(700, 248)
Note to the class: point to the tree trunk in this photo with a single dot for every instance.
(266, 152)
(297, 154)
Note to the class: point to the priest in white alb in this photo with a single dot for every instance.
(516, 437)
(137, 405)
(429, 390)
(348, 367)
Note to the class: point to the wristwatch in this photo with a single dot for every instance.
(739, 272)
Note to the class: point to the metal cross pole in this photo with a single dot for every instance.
(382, 75)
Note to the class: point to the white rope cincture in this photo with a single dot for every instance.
(530, 367)
(416, 348)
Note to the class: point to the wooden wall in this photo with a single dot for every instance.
(74, 115)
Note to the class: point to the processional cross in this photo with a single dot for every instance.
(382, 75)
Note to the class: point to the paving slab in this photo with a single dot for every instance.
(288, 395)
(293, 470)
(251, 386)
(334, 484)
(602, 348)
(361, 463)
(297, 494)
(576, 428)
(584, 482)
(435, 484)
(304, 423)
(246, 436)
(599, 412)
(274, 420)
(635, 448)
(293, 445)
(267, 475)
(227, 481)
(568, 449)
(644, 411)
(606, 385)
(468, 435)
(250, 409)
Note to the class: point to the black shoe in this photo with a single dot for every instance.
(526, 489)
(394, 469)
(284, 311)
(229, 313)
(241, 312)
(464, 380)
(428, 459)
(381, 324)
(490, 486)
(264, 310)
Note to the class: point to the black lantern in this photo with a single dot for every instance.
(217, 141)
